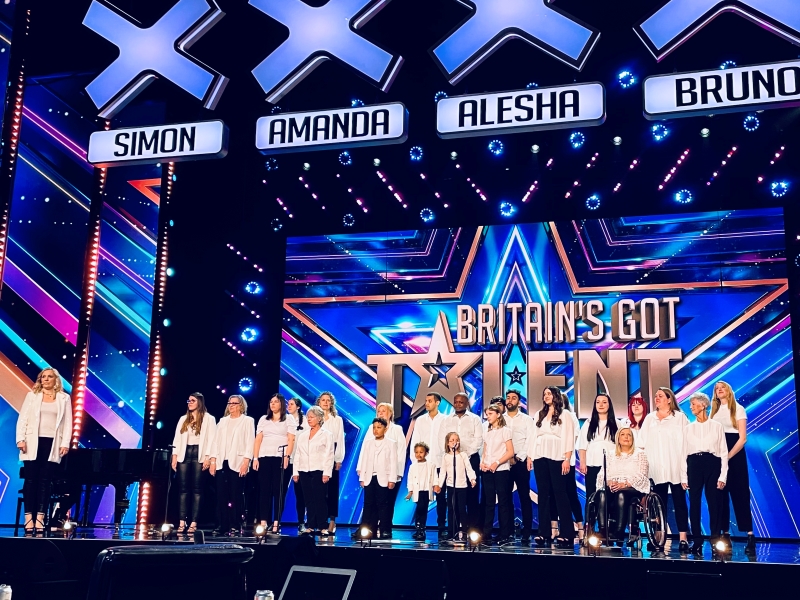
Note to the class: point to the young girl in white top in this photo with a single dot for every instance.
(498, 449)
(421, 479)
(456, 473)
(294, 409)
(272, 448)
(335, 424)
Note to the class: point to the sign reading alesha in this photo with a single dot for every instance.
(578, 105)
(159, 143)
(775, 85)
(328, 129)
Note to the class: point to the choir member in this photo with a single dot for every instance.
(455, 477)
(335, 424)
(569, 478)
(596, 440)
(294, 409)
(637, 411)
(521, 426)
(498, 449)
(313, 465)
(428, 429)
(469, 428)
(191, 455)
(422, 475)
(377, 471)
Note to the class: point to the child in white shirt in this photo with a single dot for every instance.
(456, 471)
(421, 477)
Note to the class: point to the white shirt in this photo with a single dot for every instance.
(204, 442)
(234, 441)
(395, 433)
(521, 427)
(708, 436)
(468, 427)
(723, 416)
(47, 419)
(378, 458)
(428, 430)
(632, 468)
(494, 447)
(662, 439)
(464, 471)
(602, 440)
(577, 426)
(421, 478)
(275, 434)
(336, 426)
(554, 442)
(314, 454)
(193, 438)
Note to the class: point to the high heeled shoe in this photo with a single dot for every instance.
(542, 542)
(39, 528)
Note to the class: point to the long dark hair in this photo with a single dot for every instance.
(282, 399)
(594, 421)
(565, 400)
(299, 404)
(558, 407)
(195, 421)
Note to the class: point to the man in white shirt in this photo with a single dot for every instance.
(428, 429)
(469, 427)
(521, 430)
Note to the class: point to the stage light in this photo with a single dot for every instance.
(507, 209)
(535, 148)
(276, 225)
(474, 539)
(720, 546)
(345, 158)
(728, 64)
(376, 162)
(271, 164)
(415, 153)
(159, 425)
(121, 404)
(306, 166)
(253, 288)
(249, 334)
(245, 385)
(365, 535)
(348, 220)
(170, 271)
(593, 202)
(356, 103)
(626, 79)
(439, 96)
(531, 85)
(617, 140)
(166, 530)
(660, 132)
(162, 371)
(683, 197)
(576, 139)
(594, 541)
(496, 147)
(260, 532)
(705, 132)
(453, 155)
(275, 110)
(427, 215)
(751, 123)
(167, 322)
(69, 528)
(779, 188)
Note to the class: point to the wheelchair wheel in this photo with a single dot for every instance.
(655, 521)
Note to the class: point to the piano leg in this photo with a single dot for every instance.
(121, 505)
(87, 491)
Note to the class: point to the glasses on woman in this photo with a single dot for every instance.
(190, 400)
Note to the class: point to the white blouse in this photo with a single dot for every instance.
(314, 454)
(233, 441)
(394, 432)
(521, 428)
(577, 426)
(336, 426)
(275, 434)
(602, 440)
(421, 478)
(464, 471)
(723, 417)
(707, 436)
(469, 429)
(47, 419)
(662, 440)
(554, 442)
(632, 468)
(494, 444)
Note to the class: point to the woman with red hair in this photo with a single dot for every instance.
(637, 411)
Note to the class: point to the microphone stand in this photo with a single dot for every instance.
(606, 492)
(457, 523)
(280, 490)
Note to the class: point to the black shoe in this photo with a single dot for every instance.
(750, 547)
(633, 541)
(505, 541)
(683, 547)
(697, 549)
(565, 543)
(542, 542)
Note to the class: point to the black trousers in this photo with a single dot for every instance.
(299, 500)
(737, 490)
(190, 470)
(376, 506)
(441, 507)
(678, 502)
(520, 475)
(703, 470)
(271, 492)
(496, 485)
(38, 475)
(474, 513)
(590, 480)
(316, 495)
(421, 512)
(387, 526)
(550, 482)
(229, 498)
(572, 494)
(456, 509)
(333, 494)
(621, 510)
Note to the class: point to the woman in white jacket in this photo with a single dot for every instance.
(335, 424)
(313, 465)
(44, 427)
(191, 455)
(231, 454)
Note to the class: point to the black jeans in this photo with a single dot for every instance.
(678, 502)
(456, 508)
(316, 495)
(271, 492)
(376, 507)
(703, 470)
(520, 475)
(299, 499)
(572, 494)
(621, 510)
(189, 473)
(474, 505)
(38, 478)
(392, 503)
(550, 481)
(496, 485)
(333, 494)
(590, 479)
(421, 512)
(737, 490)
(229, 498)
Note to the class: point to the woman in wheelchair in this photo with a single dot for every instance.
(620, 486)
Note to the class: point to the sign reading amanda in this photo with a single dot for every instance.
(744, 88)
(173, 143)
(327, 129)
(524, 110)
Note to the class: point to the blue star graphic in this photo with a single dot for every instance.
(516, 375)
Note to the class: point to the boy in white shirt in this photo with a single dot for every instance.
(421, 476)
(377, 471)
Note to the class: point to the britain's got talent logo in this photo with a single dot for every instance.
(603, 367)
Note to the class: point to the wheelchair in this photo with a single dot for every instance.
(649, 510)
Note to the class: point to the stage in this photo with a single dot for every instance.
(402, 568)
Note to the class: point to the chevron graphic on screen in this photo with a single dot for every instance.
(678, 20)
(145, 53)
(494, 22)
(317, 34)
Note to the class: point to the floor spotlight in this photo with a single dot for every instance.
(365, 535)
(474, 538)
(594, 542)
(69, 528)
(261, 532)
(166, 531)
(721, 549)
